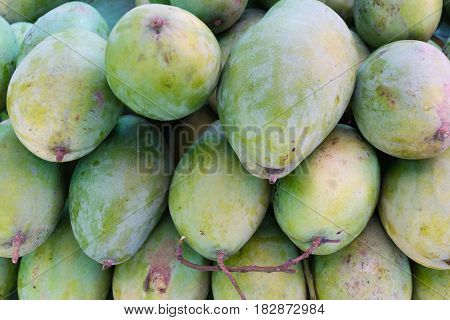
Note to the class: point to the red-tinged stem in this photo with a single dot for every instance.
(16, 243)
(220, 261)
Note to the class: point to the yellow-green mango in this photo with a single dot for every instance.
(384, 21)
(26, 10)
(430, 284)
(59, 101)
(8, 52)
(332, 194)
(369, 268)
(119, 192)
(414, 208)
(269, 246)
(162, 61)
(218, 15)
(72, 15)
(286, 85)
(154, 272)
(214, 202)
(32, 193)
(8, 278)
(401, 101)
(59, 270)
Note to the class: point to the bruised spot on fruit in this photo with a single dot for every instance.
(60, 153)
(216, 23)
(442, 133)
(99, 98)
(157, 23)
(107, 263)
(447, 261)
(334, 141)
(159, 272)
(386, 94)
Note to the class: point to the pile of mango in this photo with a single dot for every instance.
(160, 149)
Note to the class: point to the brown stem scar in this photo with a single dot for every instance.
(107, 263)
(60, 153)
(16, 243)
(220, 261)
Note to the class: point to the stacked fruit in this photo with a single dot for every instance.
(325, 170)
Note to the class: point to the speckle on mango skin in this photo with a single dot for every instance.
(214, 202)
(320, 197)
(59, 270)
(8, 277)
(276, 95)
(119, 192)
(154, 273)
(8, 52)
(165, 72)
(369, 268)
(267, 247)
(32, 193)
(401, 101)
(414, 208)
(54, 96)
(384, 21)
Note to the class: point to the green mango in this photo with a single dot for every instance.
(369, 268)
(319, 198)
(429, 284)
(162, 62)
(169, 279)
(414, 208)
(8, 52)
(59, 101)
(213, 201)
(26, 10)
(401, 100)
(269, 246)
(384, 21)
(229, 38)
(362, 52)
(218, 15)
(20, 31)
(119, 192)
(344, 8)
(59, 270)
(8, 278)
(278, 100)
(72, 15)
(112, 11)
(32, 193)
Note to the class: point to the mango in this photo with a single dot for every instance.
(142, 2)
(154, 273)
(319, 199)
(384, 21)
(32, 193)
(59, 101)
(72, 15)
(8, 278)
(286, 85)
(213, 201)
(218, 15)
(119, 192)
(162, 62)
(20, 31)
(59, 270)
(229, 38)
(369, 268)
(401, 101)
(26, 10)
(8, 52)
(414, 208)
(362, 52)
(269, 246)
(112, 11)
(344, 8)
(429, 284)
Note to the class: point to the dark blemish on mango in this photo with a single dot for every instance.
(99, 99)
(447, 261)
(442, 133)
(334, 141)
(157, 23)
(77, 117)
(216, 23)
(159, 272)
(60, 153)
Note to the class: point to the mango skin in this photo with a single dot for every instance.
(59, 270)
(26, 10)
(429, 284)
(72, 15)
(266, 102)
(218, 15)
(228, 39)
(20, 31)
(8, 52)
(142, 2)
(319, 198)
(384, 21)
(414, 203)
(402, 105)
(269, 246)
(362, 51)
(343, 8)
(213, 201)
(8, 278)
(119, 192)
(59, 101)
(369, 268)
(170, 280)
(32, 193)
(164, 72)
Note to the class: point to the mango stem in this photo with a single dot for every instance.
(220, 261)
